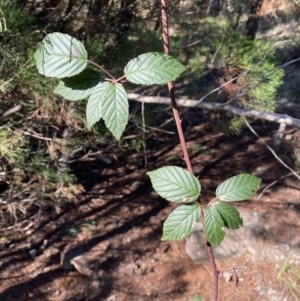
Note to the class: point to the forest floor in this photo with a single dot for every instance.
(116, 223)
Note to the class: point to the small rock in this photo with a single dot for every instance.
(44, 245)
(32, 253)
(83, 267)
(112, 298)
(67, 255)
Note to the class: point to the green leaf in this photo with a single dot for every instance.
(79, 86)
(238, 188)
(60, 55)
(213, 224)
(197, 298)
(153, 68)
(175, 184)
(94, 105)
(116, 110)
(108, 101)
(230, 215)
(181, 222)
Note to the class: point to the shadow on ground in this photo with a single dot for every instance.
(116, 225)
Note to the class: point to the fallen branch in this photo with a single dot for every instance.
(274, 117)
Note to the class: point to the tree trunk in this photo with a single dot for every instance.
(124, 17)
(252, 22)
(214, 8)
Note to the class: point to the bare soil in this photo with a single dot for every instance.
(116, 225)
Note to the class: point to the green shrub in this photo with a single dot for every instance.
(16, 20)
(12, 146)
(229, 54)
(16, 52)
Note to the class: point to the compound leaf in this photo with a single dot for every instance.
(108, 101)
(213, 224)
(60, 55)
(238, 188)
(181, 221)
(78, 86)
(153, 68)
(230, 215)
(175, 184)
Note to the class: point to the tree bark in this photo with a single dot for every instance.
(252, 22)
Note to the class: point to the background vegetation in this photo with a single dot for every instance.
(41, 134)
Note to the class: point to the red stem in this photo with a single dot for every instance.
(214, 268)
(178, 121)
(164, 14)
